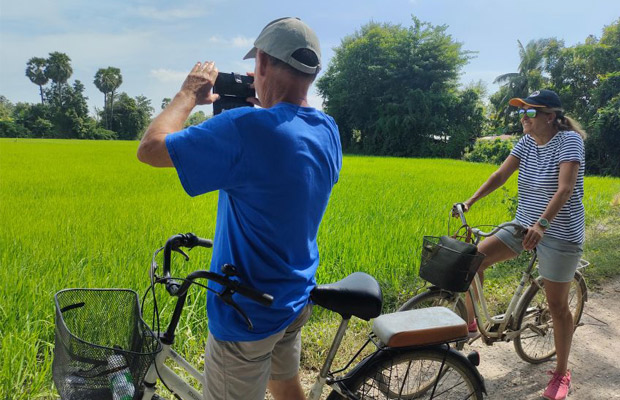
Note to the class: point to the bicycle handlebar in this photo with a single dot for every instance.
(189, 240)
(458, 210)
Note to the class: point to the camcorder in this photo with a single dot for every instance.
(233, 90)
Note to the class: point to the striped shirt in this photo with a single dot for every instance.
(539, 170)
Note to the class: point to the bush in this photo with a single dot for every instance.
(8, 128)
(486, 151)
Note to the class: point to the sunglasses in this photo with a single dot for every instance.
(530, 113)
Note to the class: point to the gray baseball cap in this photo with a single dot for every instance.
(284, 36)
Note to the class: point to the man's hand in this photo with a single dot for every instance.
(253, 100)
(199, 83)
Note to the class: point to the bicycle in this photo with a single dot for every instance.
(413, 357)
(527, 319)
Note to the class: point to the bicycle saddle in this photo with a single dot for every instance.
(424, 326)
(358, 294)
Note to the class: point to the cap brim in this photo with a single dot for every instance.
(517, 102)
(251, 53)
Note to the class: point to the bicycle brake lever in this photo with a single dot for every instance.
(182, 253)
(226, 296)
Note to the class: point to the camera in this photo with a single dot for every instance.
(233, 90)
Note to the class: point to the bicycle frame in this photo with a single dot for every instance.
(185, 391)
(501, 322)
(172, 381)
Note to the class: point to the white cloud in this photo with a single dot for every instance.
(237, 41)
(168, 75)
(188, 12)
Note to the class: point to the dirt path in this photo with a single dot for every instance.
(594, 360)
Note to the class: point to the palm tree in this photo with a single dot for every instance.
(35, 71)
(528, 78)
(108, 80)
(59, 70)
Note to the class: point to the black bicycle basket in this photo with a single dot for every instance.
(449, 263)
(99, 333)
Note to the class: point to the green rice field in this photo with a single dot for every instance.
(88, 214)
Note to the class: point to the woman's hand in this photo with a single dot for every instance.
(533, 236)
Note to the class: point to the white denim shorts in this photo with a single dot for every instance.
(557, 259)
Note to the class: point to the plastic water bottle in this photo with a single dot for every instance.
(121, 383)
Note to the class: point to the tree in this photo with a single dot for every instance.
(68, 111)
(587, 80)
(58, 70)
(35, 71)
(107, 80)
(394, 90)
(528, 78)
(165, 102)
(196, 118)
(131, 116)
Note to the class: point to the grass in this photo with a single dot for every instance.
(88, 214)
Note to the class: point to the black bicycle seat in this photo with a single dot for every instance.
(358, 294)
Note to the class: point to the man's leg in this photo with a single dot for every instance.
(238, 370)
(287, 389)
(284, 383)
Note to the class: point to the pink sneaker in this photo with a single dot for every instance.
(558, 386)
(473, 327)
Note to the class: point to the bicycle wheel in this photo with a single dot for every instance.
(535, 344)
(412, 374)
(437, 297)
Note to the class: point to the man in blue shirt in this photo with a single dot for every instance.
(274, 168)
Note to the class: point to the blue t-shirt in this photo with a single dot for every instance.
(275, 169)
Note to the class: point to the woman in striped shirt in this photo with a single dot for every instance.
(550, 159)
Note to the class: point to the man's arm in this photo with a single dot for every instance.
(196, 90)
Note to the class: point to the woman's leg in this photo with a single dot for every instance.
(563, 325)
(495, 251)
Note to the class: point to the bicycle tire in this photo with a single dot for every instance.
(434, 297)
(411, 374)
(538, 345)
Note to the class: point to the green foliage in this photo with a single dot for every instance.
(58, 67)
(489, 151)
(393, 90)
(165, 101)
(196, 118)
(131, 116)
(35, 71)
(520, 84)
(11, 129)
(107, 81)
(586, 78)
(88, 214)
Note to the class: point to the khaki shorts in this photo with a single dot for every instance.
(557, 259)
(241, 370)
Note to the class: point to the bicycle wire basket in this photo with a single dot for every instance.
(449, 263)
(98, 333)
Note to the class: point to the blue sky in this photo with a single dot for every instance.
(155, 43)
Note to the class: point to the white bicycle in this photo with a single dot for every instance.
(105, 350)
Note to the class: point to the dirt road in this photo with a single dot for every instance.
(594, 359)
